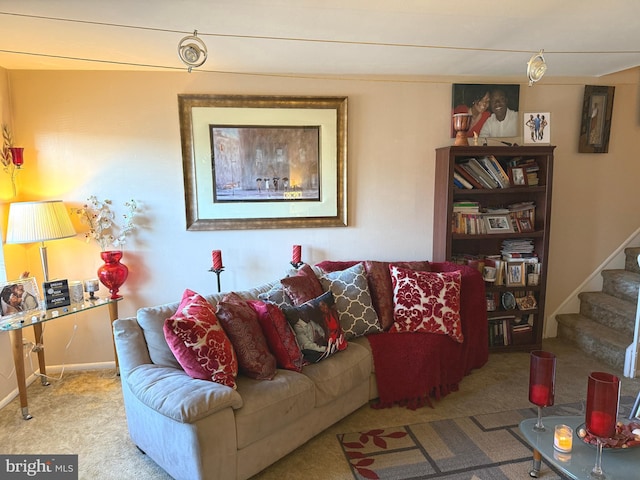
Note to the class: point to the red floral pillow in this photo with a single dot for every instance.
(240, 321)
(280, 337)
(426, 302)
(302, 287)
(199, 343)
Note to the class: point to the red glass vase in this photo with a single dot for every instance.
(113, 273)
(603, 396)
(542, 377)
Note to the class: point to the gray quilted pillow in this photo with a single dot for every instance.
(353, 300)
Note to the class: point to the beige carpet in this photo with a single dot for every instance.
(83, 414)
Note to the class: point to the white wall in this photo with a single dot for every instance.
(116, 135)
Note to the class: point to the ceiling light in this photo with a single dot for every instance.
(536, 68)
(192, 51)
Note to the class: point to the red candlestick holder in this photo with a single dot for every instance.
(603, 395)
(542, 375)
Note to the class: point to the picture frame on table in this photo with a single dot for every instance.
(518, 177)
(253, 162)
(498, 223)
(516, 274)
(597, 111)
(19, 299)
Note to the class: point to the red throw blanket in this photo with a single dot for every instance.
(412, 367)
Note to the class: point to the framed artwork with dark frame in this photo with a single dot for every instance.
(597, 110)
(252, 162)
(490, 119)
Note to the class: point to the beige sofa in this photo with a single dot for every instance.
(197, 429)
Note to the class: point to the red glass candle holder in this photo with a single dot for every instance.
(17, 156)
(542, 378)
(603, 396)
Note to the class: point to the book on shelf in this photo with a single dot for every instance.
(479, 173)
(490, 166)
(460, 182)
(470, 178)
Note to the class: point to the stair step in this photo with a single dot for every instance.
(609, 311)
(622, 284)
(631, 259)
(604, 343)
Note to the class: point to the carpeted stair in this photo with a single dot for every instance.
(604, 326)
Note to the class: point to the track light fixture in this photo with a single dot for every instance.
(192, 51)
(536, 68)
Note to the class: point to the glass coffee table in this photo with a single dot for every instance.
(617, 464)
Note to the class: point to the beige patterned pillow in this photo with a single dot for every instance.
(353, 300)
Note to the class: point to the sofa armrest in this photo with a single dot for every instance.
(174, 394)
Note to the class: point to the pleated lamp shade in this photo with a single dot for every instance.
(31, 222)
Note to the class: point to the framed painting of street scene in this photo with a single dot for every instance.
(254, 162)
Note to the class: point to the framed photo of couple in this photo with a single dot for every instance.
(493, 109)
(18, 298)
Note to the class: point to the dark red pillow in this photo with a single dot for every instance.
(240, 321)
(280, 338)
(302, 287)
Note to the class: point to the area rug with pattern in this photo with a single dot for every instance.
(479, 447)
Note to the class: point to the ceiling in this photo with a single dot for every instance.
(335, 37)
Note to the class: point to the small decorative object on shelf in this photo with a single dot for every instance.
(296, 257)
(113, 274)
(217, 268)
(91, 286)
(461, 124)
(542, 376)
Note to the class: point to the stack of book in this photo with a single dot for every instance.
(483, 172)
(518, 248)
(467, 218)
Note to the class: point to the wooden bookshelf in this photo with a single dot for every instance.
(476, 246)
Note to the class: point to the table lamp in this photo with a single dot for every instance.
(31, 222)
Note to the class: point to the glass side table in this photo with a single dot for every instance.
(35, 319)
(619, 464)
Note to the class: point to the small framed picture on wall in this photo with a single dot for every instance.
(537, 127)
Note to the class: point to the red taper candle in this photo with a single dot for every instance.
(297, 254)
(216, 255)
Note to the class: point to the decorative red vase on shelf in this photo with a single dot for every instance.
(113, 273)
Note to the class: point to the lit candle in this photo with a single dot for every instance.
(297, 254)
(539, 395)
(563, 438)
(216, 255)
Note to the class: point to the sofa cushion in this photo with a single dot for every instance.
(379, 283)
(426, 302)
(339, 374)
(353, 300)
(317, 328)
(270, 406)
(199, 343)
(177, 396)
(240, 322)
(280, 337)
(151, 320)
(277, 296)
(302, 287)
